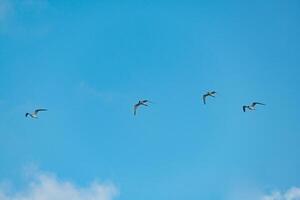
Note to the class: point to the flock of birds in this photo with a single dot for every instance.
(145, 102)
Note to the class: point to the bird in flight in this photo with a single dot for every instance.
(210, 94)
(140, 103)
(252, 106)
(34, 114)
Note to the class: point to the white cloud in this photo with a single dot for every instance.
(44, 186)
(244, 191)
(291, 194)
(254, 192)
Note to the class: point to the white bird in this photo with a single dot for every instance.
(252, 106)
(140, 103)
(34, 114)
(211, 94)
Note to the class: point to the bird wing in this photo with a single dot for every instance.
(244, 108)
(141, 103)
(135, 108)
(213, 92)
(26, 115)
(38, 110)
(254, 103)
(204, 98)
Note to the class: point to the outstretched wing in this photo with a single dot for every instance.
(244, 108)
(38, 110)
(26, 115)
(140, 103)
(135, 108)
(204, 98)
(257, 103)
(143, 102)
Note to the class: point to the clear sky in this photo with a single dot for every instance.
(88, 62)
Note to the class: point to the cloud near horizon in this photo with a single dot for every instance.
(43, 186)
(291, 194)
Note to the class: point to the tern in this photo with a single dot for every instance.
(211, 94)
(252, 106)
(35, 113)
(140, 103)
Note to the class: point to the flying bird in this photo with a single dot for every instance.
(209, 94)
(140, 103)
(252, 106)
(35, 113)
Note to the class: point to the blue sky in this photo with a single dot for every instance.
(88, 62)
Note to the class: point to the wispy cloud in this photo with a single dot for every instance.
(106, 96)
(6, 9)
(46, 186)
(11, 11)
(254, 192)
(37, 5)
(291, 194)
(9, 8)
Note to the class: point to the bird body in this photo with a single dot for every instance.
(208, 94)
(252, 106)
(140, 103)
(31, 115)
(35, 113)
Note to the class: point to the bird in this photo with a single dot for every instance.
(252, 106)
(140, 103)
(211, 94)
(34, 114)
